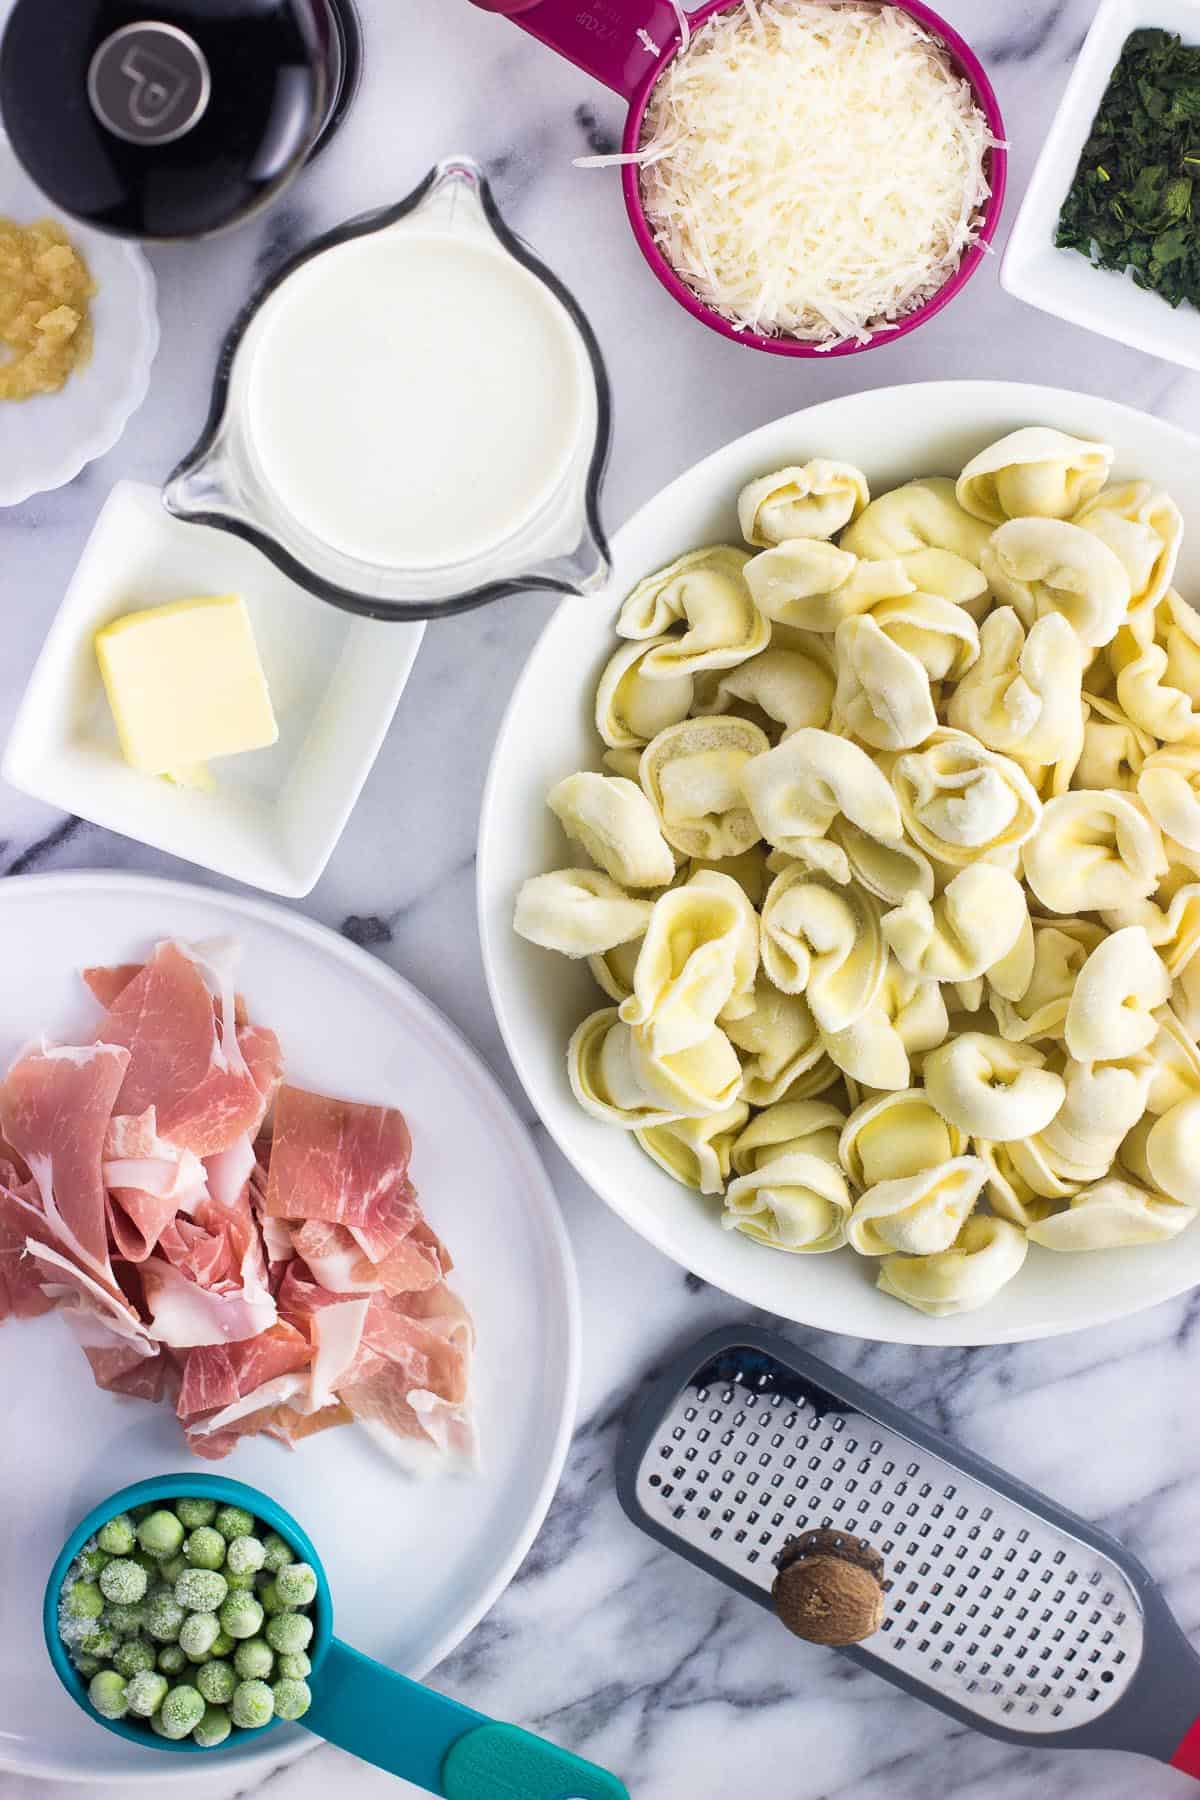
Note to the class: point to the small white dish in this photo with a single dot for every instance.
(275, 815)
(1063, 282)
(44, 442)
(415, 1562)
(925, 428)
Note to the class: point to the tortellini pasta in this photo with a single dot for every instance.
(615, 824)
(706, 591)
(692, 775)
(919, 1215)
(961, 801)
(579, 912)
(812, 501)
(1045, 566)
(1093, 851)
(896, 883)
(1034, 472)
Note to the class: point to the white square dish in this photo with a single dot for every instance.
(275, 815)
(1062, 281)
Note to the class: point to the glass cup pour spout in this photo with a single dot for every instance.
(562, 546)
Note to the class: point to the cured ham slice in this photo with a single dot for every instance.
(184, 1060)
(55, 1108)
(252, 1251)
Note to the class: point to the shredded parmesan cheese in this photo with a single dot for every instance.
(813, 170)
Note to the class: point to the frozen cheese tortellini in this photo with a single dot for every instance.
(616, 825)
(706, 591)
(987, 1254)
(965, 932)
(961, 802)
(1044, 566)
(990, 1088)
(1093, 851)
(1034, 471)
(579, 912)
(811, 501)
(692, 774)
(894, 882)
(696, 1151)
(825, 942)
(919, 1215)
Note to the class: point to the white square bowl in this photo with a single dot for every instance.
(275, 815)
(1062, 281)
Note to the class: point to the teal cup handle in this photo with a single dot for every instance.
(437, 1743)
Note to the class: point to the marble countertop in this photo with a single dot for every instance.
(604, 1642)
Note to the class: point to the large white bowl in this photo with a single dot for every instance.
(893, 434)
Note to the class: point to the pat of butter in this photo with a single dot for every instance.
(185, 684)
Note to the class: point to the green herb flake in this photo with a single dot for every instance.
(1131, 203)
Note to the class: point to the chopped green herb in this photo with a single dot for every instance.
(1131, 205)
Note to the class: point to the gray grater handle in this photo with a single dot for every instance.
(1158, 1714)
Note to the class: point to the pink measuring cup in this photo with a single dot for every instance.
(608, 40)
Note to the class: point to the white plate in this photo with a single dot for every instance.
(413, 1564)
(275, 815)
(893, 434)
(1062, 281)
(45, 441)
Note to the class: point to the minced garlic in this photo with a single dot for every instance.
(45, 290)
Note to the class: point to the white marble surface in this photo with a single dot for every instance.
(603, 1642)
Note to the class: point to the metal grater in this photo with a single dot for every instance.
(1002, 1609)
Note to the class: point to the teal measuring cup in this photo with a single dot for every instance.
(357, 1703)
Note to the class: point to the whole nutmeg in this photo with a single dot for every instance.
(829, 1588)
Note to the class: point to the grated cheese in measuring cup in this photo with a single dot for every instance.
(813, 170)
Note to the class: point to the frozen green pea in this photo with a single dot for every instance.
(201, 1590)
(171, 1660)
(205, 1548)
(216, 1681)
(245, 1555)
(213, 1728)
(157, 1727)
(195, 1512)
(292, 1698)
(123, 1581)
(296, 1584)
(294, 1666)
(106, 1691)
(171, 1568)
(164, 1616)
(198, 1634)
(277, 1552)
(126, 1621)
(181, 1711)
(145, 1691)
(102, 1643)
(241, 1616)
(87, 1665)
(83, 1600)
(289, 1632)
(234, 1521)
(160, 1533)
(133, 1658)
(144, 1560)
(253, 1705)
(269, 1598)
(116, 1535)
(91, 1562)
(254, 1659)
(222, 1644)
(239, 1584)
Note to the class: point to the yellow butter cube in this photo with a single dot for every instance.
(185, 684)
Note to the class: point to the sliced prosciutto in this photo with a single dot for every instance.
(184, 1056)
(55, 1108)
(249, 1251)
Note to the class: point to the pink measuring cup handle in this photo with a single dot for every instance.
(599, 36)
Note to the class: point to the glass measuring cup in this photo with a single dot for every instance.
(559, 544)
(626, 44)
(357, 1703)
